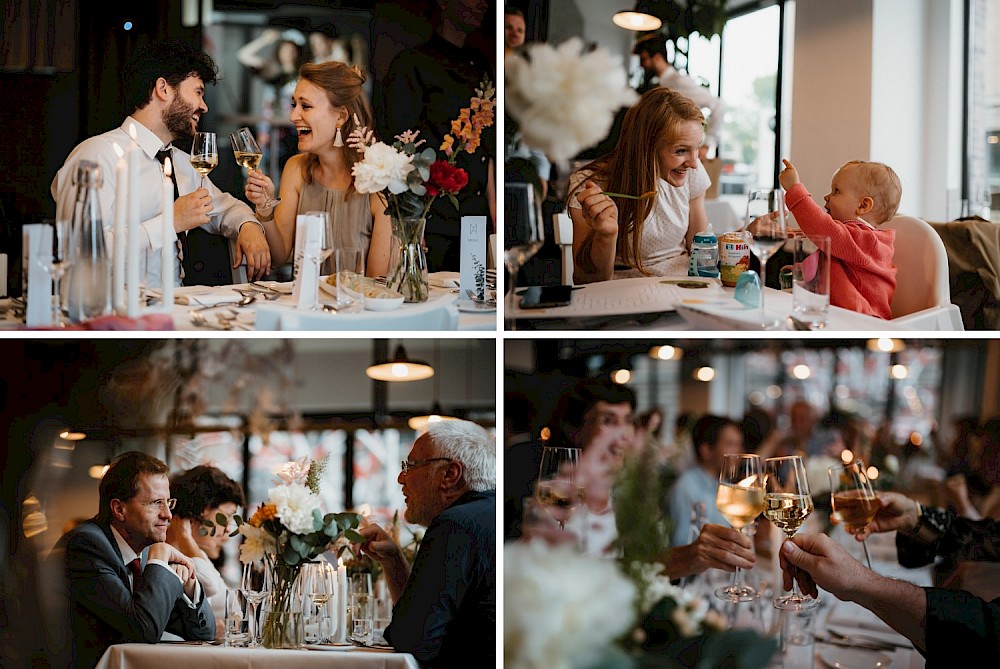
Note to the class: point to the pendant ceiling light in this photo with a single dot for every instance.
(639, 19)
(419, 423)
(400, 368)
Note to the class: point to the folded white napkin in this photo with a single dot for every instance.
(204, 296)
(445, 279)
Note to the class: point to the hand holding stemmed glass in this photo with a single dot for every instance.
(253, 585)
(765, 227)
(740, 499)
(787, 503)
(853, 501)
(204, 154)
(260, 188)
(558, 490)
(524, 234)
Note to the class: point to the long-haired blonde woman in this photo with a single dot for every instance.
(656, 154)
(327, 99)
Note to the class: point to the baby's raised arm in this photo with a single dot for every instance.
(789, 176)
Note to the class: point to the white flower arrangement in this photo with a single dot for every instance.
(563, 98)
(693, 613)
(562, 609)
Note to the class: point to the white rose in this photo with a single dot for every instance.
(383, 167)
(295, 504)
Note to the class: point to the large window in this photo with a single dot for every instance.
(984, 179)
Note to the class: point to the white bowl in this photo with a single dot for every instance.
(383, 303)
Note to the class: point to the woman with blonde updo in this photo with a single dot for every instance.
(327, 100)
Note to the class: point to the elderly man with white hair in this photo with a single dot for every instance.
(445, 603)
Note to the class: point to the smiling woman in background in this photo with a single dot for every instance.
(327, 99)
(648, 229)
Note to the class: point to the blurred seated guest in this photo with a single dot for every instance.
(863, 197)
(424, 90)
(165, 91)
(936, 620)
(652, 52)
(521, 458)
(712, 438)
(759, 434)
(125, 583)
(446, 605)
(656, 154)
(329, 101)
(596, 416)
(203, 493)
(806, 435)
(514, 29)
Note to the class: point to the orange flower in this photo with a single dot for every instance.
(264, 513)
(447, 144)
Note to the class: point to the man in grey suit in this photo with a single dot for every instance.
(116, 596)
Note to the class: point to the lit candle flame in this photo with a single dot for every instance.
(167, 169)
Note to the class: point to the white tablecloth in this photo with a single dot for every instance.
(178, 655)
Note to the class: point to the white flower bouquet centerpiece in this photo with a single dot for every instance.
(411, 176)
(564, 98)
(286, 532)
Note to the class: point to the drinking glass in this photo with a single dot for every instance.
(62, 258)
(235, 618)
(204, 154)
(853, 499)
(253, 585)
(811, 280)
(350, 268)
(557, 489)
(359, 600)
(740, 499)
(787, 503)
(765, 225)
(318, 580)
(524, 234)
(319, 246)
(248, 155)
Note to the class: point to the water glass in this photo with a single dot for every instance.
(811, 280)
(350, 268)
(362, 617)
(381, 618)
(236, 622)
(798, 639)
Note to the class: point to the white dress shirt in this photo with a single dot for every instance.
(227, 216)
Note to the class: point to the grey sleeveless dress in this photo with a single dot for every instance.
(352, 220)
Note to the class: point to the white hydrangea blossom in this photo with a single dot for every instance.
(295, 504)
(564, 99)
(561, 608)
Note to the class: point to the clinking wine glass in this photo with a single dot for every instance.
(852, 499)
(740, 499)
(765, 226)
(253, 585)
(787, 504)
(248, 155)
(557, 490)
(204, 154)
(524, 234)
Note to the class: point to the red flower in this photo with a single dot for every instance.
(446, 178)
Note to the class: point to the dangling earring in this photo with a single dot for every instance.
(338, 140)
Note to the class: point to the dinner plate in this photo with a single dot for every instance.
(854, 658)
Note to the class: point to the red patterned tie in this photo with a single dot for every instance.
(135, 566)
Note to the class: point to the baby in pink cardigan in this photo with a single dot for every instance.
(863, 196)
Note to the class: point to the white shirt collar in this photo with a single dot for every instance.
(145, 138)
(127, 553)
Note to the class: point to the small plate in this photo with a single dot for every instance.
(854, 658)
(470, 307)
(371, 303)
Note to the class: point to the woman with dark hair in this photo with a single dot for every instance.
(656, 157)
(328, 104)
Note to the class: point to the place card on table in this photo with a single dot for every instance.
(308, 234)
(36, 267)
(472, 265)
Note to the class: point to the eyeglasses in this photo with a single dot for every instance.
(159, 504)
(406, 465)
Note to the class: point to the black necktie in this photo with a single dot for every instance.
(182, 255)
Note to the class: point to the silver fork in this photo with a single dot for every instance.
(478, 300)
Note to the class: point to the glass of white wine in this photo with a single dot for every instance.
(204, 154)
(318, 587)
(787, 504)
(557, 489)
(740, 499)
(852, 498)
(765, 225)
(248, 155)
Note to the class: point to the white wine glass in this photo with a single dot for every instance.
(852, 499)
(318, 588)
(740, 499)
(765, 226)
(524, 234)
(319, 246)
(253, 585)
(62, 258)
(204, 154)
(557, 490)
(248, 155)
(787, 504)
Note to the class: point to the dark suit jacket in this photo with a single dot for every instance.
(104, 611)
